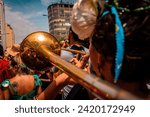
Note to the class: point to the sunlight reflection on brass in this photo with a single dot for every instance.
(40, 37)
(44, 52)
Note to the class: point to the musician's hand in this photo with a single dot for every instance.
(76, 62)
(82, 63)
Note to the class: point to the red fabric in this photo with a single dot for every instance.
(4, 72)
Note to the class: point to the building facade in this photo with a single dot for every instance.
(10, 37)
(59, 19)
(2, 25)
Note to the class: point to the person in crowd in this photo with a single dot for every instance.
(70, 88)
(4, 66)
(20, 87)
(120, 44)
(75, 44)
(16, 64)
(51, 92)
(74, 91)
(16, 86)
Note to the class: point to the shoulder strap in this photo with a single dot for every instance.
(37, 81)
(33, 93)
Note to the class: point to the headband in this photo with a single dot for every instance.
(119, 37)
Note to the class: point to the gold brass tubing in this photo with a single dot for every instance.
(99, 87)
(74, 51)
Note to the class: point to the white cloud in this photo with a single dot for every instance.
(20, 24)
(46, 2)
(33, 14)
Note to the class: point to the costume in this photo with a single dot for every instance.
(28, 96)
(4, 70)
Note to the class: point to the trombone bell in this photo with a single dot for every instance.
(29, 50)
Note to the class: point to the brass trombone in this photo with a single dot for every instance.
(40, 50)
(74, 51)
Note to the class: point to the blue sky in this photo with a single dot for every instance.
(26, 16)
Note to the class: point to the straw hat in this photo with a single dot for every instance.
(14, 50)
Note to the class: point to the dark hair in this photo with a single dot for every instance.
(85, 42)
(136, 64)
(133, 4)
(74, 35)
(1, 51)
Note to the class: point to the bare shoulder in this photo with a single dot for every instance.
(22, 83)
(22, 78)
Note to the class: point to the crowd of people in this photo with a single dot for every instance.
(115, 37)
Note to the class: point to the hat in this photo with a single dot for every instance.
(14, 50)
(83, 19)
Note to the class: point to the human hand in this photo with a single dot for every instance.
(82, 63)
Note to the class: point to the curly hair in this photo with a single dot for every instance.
(136, 23)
